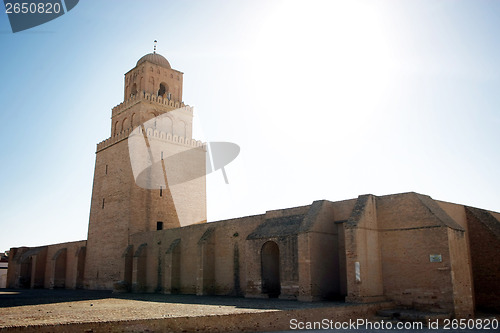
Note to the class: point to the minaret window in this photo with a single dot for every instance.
(163, 90)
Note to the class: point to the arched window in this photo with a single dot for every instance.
(124, 124)
(116, 128)
(164, 90)
(134, 89)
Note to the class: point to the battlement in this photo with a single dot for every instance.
(152, 133)
(143, 96)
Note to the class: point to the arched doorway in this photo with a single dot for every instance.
(270, 264)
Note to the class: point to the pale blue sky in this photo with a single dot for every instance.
(327, 99)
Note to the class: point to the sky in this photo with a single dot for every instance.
(327, 100)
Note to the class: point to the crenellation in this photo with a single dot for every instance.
(144, 96)
(159, 135)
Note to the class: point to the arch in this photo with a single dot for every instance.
(59, 260)
(128, 260)
(141, 83)
(206, 263)
(173, 268)
(150, 115)
(270, 269)
(134, 89)
(163, 90)
(132, 120)
(116, 128)
(80, 266)
(181, 128)
(124, 124)
(140, 269)
(26, 269)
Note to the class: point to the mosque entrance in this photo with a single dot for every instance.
(270, 263)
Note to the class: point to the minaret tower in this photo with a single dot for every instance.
(120, 206)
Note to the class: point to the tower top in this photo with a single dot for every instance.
(156, 59)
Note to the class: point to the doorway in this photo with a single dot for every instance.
(270, 263)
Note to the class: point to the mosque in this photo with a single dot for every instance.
(148, 232)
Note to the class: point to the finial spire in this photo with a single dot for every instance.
(154, 51)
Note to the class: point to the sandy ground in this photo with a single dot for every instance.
(34, 307)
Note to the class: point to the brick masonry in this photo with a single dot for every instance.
(407, 248)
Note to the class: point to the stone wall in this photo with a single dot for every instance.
(484, 234)
(52, 266)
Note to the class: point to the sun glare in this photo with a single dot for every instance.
(322, 56)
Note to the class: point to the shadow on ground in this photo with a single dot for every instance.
(20, 297)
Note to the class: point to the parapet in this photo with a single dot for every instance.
(143, 96)
(153, 134)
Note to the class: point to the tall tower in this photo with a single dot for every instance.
(122, 204)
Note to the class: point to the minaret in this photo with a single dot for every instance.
(122, 204)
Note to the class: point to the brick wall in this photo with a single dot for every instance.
(485, 250)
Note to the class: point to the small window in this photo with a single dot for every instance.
(103, 203)
(106, 169)
(162, 155)
(161, 191)
(163, 89)
(159, 225)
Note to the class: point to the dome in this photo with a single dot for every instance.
(156, 59)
